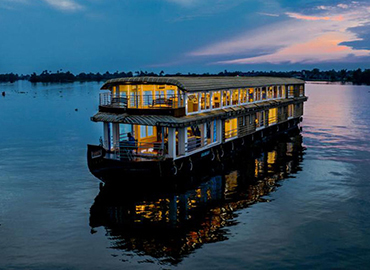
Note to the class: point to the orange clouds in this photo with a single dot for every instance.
(310, 38)
(314, 18)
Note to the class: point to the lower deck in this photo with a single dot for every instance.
(107, 165)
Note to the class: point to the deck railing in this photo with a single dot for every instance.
(193, 144)
(142, 101)
(231, 133)
(105, 99)
(148, 150)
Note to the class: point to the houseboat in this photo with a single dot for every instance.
(171, 126)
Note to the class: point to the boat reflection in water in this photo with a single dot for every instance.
(169, 225)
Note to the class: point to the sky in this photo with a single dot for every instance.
(183, 35)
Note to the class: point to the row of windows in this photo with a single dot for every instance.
(197, 102)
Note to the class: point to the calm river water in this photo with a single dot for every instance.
(300, 203)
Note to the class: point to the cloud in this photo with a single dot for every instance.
(301, 38)
(184, 2)
(314, 18)
(64, 5)
(269, 14)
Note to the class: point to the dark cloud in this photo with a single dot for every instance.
(363, 32)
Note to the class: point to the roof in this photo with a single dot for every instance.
(194, 84)
(172, 121)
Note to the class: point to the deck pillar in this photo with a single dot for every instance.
(106, 139)
(186, 103)
(115, 131)
(172, 142)
(182, 140)
(219, 124)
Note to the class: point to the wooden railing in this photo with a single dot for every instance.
(231, 133)
(148, 150)
(193, 144)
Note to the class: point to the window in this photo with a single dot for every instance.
(290, 91)
(243, 95)
(290, 110)
(270, 92)
(146, 131)
(195, 135)
(208, 101)
(216, 99)
(273, 116)
(147, 98)
(301, 90)
(235, 97)
(202, 101)
(264, 93)
(225, 98)
(193, 103)
(251, 94)
(283, 91)
(258, 94)
(231, 128)
(275, 94)
(205, 101)
(260, 119)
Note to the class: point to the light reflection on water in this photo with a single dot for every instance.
(171, 226)
(275, 211)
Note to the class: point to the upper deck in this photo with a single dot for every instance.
(181, 96)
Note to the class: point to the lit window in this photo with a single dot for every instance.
(216, 99)
(260, 119)
(231, 128)
(235, 97)
(243, 95)
(193, 103)
(263, 93)
(273, 116)
(290, 91)
(290, 110)
(251, 93)
(226, 98)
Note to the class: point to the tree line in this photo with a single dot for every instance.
(358, 76)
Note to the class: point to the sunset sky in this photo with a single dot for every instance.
(183, 35)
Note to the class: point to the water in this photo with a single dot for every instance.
(301, 203)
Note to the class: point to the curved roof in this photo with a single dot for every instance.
(193, 84)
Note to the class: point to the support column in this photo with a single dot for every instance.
(115, 131)
(213, 135)
(186, 103)
(205, 134)
(162, 139)
(199, 100)
(172, 142)
(182, 140)
(221, 99)
(106, 139)
(219, 130)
